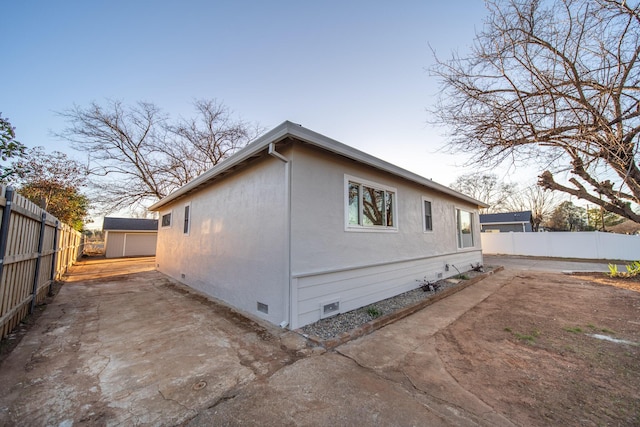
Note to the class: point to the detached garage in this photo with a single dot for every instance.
(129, 237)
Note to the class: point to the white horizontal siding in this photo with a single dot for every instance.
(358, 287)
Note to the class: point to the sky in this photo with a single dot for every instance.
(354, 71)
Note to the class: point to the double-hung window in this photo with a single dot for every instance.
(464, 221)
(370, 205)
(427, 217)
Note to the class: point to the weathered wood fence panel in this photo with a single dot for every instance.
(35, 250)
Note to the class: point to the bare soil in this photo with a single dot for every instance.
(529, 350)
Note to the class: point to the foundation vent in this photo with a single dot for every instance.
(329, 308)
(263, 308)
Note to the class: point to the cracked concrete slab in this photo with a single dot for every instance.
(319, 391)
(130, 347)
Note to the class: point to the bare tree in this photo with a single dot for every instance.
(556, 83)
(539, 201)
(137, 154)
(486, 188)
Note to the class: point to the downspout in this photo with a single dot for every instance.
(287, 177)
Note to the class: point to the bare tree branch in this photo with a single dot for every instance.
(557, 84)
(137, 155)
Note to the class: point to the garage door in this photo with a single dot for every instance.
(140, 244)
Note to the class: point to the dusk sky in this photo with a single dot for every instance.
(355, 71)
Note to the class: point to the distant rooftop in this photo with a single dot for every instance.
(505, 217)
(130, 224)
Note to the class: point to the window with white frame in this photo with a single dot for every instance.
(427, 218)
(370, 205)
(165, 220)
(187, 218)
(464, 221)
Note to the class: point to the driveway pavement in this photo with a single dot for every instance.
(124, 345)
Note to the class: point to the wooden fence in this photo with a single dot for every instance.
(35, 250)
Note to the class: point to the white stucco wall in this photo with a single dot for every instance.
(236, 246)
(358, 268)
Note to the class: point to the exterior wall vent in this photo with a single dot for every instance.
(329, 308)
(263, 308)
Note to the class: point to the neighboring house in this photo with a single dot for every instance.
(296, 227)
(625, 227)
(128, 237)
(508, 221)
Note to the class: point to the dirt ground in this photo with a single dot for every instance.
(530, 353)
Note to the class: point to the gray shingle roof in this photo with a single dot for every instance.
(129, 224)
(524, 216)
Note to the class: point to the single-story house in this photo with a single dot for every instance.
(506, 221)
(296, 227)
(129, 237)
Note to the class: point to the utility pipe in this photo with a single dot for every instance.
(272, 152)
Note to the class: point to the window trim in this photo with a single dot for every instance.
(162, 215)
(473, 229)
(369, 228)
(424, 215)
(186, 228)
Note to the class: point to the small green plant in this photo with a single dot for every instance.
(462, 277)
(633, 270)
(574, 330)
(529, 338)
(374, 312)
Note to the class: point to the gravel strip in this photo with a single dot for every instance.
(333, 326)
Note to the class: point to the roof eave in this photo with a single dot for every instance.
(288, 128)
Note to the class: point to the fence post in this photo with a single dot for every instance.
(43, 224)
(4, 228)
(53, 260)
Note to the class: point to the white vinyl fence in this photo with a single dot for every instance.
(587, 244)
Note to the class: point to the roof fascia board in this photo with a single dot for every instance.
(504, 223)
(117, 230)
(274, 135)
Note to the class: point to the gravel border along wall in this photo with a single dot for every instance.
(334, 331)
